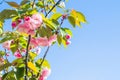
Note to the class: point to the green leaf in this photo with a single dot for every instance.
(14, 47)
(49, 23)
(45, 63)
(56, 16)
(2, 53)
(81, 17)
(18, 62)
(71, 19)
(7, 13)
(19, 73)
(32, 55)
(24, 2)
(64, 43)
(32, 79)
(59, 39)
(43, 32)
(1, 31)
(67, 30)
(13, 4)
(2, 67)
(9, 76)
(40, 4)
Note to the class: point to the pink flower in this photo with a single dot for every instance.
(17, 54)
(27, 18)
(45, 73)
(52, 39)
(23, 28)
(41, 78)
(37, 19)
(7, 54)
(14, 24)
(67, 36)
(33, 42)
(6, 45)
(68, 42)
(43, 41)
(19, 20)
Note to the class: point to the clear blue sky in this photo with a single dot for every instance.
(95, 50)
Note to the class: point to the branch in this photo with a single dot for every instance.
(44, 55)
(26, 57)
(53, 7)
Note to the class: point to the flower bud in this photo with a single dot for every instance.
(14, 24)
(67, 36)
(19, 20)
(64, 16)
(68, 42)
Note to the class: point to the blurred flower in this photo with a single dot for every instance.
(45, 73)
(17, 54)
(67, 36)
(14, 24)
(68, 42)
(6, 45)
(62, 4)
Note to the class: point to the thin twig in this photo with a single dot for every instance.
(26, 57)
(53, 7)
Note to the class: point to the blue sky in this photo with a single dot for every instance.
(95, 50)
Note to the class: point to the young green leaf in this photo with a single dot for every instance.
(13, 4)
(71, 19)
(56, 16)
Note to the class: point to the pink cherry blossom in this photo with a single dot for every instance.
(52, 39)
(14, 24)
(45, 73)
(37, 19)
(27, 18)
(41, 78)
(34, 42)
(68, 42)
(67, 36)
(19, 20)
(23, 28)
(43, 41)
(6, 45)
(17, 54)
(7, 54)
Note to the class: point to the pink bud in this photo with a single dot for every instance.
(68, 42)
(64, 16)
(27, 18)
(17, 54)
(67, 36)
(7, 54)
(19, 20)
(14, 24)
